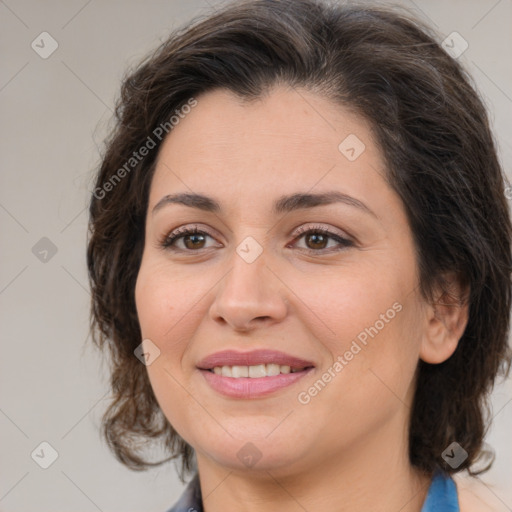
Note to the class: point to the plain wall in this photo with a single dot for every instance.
(54, 115)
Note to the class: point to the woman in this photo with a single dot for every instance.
(300, 262)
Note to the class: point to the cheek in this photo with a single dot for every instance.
(165, 312)
(353, 305)
(166, 303)
(374, 336)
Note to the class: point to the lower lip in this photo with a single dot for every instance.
(246, 387)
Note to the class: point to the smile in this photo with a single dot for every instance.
(255, 371)
(252, 387)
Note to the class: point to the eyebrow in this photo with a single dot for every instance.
(283, 204)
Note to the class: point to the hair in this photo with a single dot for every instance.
(441, 159)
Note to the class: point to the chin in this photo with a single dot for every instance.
(254, 458)
(254, 447)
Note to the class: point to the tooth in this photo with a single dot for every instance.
(239, 371)
(226, 371)
(273, 369)
(257, 370)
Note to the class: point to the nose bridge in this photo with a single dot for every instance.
(249, 272)
(249, 290)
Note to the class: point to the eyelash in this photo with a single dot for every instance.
(168, 240)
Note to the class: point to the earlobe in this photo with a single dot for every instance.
(445, 321)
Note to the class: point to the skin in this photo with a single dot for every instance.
(347, 448)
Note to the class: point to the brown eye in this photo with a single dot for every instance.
(317, 238)
(193, 240)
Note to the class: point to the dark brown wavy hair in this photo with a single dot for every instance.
(433, 131)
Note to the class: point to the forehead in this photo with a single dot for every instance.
(287, 140)
(225, 121)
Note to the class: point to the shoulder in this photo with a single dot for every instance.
(475, 495)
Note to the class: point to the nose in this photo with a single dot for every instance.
(249, 296)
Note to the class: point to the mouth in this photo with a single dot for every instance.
(256, 371)
(252, 387)
(249, 375)
(270, 359)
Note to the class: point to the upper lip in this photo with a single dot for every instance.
(252, 358)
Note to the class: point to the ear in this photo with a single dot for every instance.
(445, 320)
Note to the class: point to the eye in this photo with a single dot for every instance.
(193, 239)
(318, 237)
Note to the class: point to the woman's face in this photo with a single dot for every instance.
(345, 304)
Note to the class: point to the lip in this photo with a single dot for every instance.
(254, 357)
(246, 387)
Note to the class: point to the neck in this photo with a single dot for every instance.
(372, 474)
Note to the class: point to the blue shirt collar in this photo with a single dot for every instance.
(442, 494)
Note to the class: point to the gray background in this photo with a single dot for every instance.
(55, 113)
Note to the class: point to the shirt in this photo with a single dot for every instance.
(441, 496)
